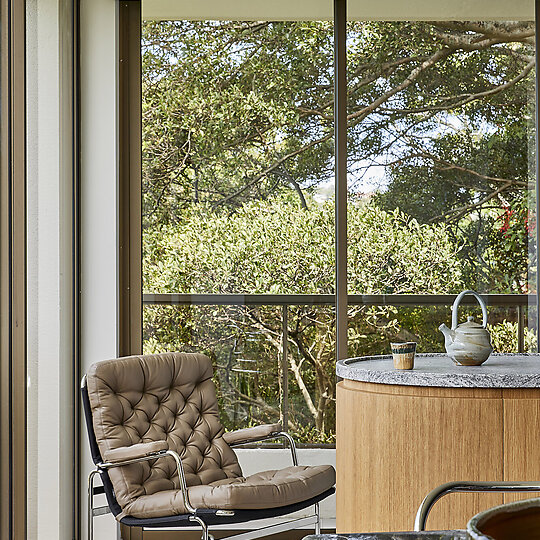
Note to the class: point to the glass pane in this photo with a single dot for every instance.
(247, 377)
(312, 384)
(369, 336)
(246, 346)
(441, 176)
(238, 200)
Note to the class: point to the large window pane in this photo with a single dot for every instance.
(238, 195)
(441, 176)
(238, 199)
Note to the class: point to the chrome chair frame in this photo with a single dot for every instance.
(194, 516)
(467, 487)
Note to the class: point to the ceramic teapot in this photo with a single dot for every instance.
(468, 344)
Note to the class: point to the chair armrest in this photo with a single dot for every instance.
(135, 451)
(146, 452)
(260, 433)
(252, 434)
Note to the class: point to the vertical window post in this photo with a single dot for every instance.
(537, 158)
(129, 287)
(129, 181)
(73, 129)
(340, 145)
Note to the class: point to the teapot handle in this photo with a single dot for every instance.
(456, 305)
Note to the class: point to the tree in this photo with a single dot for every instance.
(238, 125)
(475, 205)
(238, 111)
(282, 248)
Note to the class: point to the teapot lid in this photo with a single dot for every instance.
(470, 326)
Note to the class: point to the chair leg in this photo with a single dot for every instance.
(205, 535)
(318, 522)
(90, 523)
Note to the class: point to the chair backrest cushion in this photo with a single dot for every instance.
(160, 397)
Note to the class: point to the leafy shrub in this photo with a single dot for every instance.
(504, 337)
(280, 248)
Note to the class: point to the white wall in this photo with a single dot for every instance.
(98, 202)
(50, 459)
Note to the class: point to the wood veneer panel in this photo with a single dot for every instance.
(521, 438)
(394, 447)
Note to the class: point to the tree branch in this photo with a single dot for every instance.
(289, 178)
(292, 362)
(413, 75)
(457, 213)
(271, 168)
(508, 31)
(466, 98)
(452, 166)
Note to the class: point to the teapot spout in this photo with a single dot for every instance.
(448, 335)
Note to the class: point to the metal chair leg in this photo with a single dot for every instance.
(90, 523)
(205, 535)
(318, 522)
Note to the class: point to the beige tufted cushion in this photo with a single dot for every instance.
(169, 400)
(167, 397)
(268, 489)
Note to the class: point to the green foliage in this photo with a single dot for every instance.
(237, 141)
(281, 248)
(494, 260)
(221, 107)
(234, 111)
(504, 337)
(511, 245)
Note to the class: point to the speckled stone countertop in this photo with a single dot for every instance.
(429, 535)
(499, 371)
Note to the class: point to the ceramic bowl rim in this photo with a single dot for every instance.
(472, 525)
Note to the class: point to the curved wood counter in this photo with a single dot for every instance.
(396, 442)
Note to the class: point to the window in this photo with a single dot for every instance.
(237, 200)
(238, 197)
(441, 178)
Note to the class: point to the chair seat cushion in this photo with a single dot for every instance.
(268, 489)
